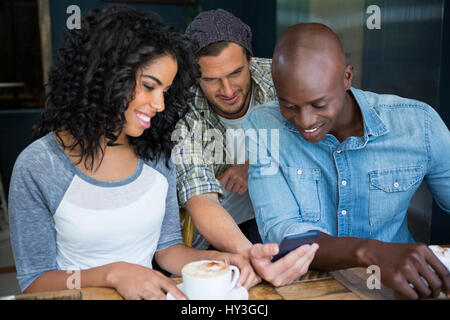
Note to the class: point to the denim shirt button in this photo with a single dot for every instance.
(396, 184)
(344, 212)
(299, 171)
(344, 183)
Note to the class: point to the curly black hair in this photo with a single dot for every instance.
(93, 80)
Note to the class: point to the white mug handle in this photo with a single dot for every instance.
(234, 279)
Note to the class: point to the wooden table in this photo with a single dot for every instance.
(347, 284)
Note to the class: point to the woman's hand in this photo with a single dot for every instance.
(136, 282)
(247, 278)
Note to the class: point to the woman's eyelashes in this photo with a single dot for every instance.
(151, 88)
(148, 87)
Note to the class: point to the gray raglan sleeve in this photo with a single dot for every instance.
(31, 221)
(170, 230)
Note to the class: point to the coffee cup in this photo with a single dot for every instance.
(208, 279)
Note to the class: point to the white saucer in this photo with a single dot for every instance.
(235, 294)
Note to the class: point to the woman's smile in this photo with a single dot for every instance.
(144, 119)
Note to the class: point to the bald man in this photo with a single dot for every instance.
(349, 162)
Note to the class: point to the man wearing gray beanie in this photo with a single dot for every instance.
(232, 82)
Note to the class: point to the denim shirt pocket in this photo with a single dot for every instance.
(390, 192)
(305, 186)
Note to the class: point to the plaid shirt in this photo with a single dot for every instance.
(200, 131)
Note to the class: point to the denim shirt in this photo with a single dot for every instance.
(358, 188)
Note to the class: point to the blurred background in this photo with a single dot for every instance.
(408, 55)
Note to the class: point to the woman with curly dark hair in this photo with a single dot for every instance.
(96, 191)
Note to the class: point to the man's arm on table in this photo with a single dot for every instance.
(400, 263)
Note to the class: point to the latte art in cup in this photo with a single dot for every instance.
(206, 269)
(208, 279)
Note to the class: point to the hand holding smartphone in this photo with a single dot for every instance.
(294, 241)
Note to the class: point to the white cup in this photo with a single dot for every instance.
(208, 279)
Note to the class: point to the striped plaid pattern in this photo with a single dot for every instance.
(197, 161)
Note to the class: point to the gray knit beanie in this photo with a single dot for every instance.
(219, 25)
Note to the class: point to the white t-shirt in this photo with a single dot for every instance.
(62, 219)
(239, 206)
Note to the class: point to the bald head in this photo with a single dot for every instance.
(312, 49)
(311, 79)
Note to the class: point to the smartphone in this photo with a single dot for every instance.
(294, 241)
